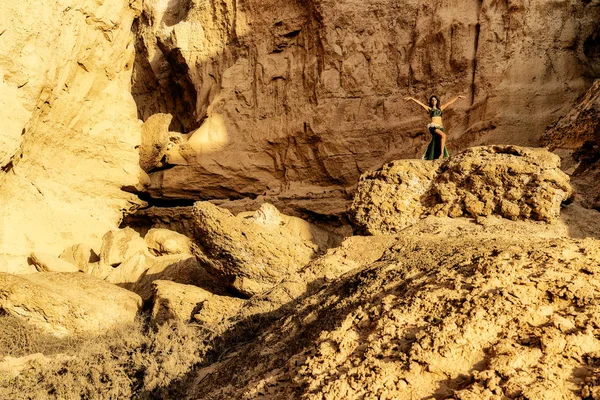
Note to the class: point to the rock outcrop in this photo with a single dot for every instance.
(576, 138)
(70, 128)
(175, 302)
(251, 254)
(279, 97)
(162, 242)
(508, 181)
(67, 303)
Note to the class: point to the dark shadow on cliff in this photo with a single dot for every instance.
(175, 95)
(582, 216)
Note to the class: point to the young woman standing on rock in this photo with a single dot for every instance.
(437, 147)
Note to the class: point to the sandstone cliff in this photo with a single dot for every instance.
(296, 97)
(70, 129)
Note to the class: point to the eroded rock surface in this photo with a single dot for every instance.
(162, 242)
(183, 269)
(474, 317)
(70, 131)
(48, 263)
(67, 303)
(119, 245)
(391, 198)
(251, 255)
(576, 138)
(280, 96)
(155, 140)
(508, 181)
(80, 255)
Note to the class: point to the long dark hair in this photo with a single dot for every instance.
(439, 103)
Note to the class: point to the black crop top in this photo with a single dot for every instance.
(435, 112)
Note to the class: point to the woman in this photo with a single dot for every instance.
(437, 147)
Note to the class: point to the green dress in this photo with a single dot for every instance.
(434, 149)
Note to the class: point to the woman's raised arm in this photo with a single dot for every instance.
(418, 102)
(448, 104)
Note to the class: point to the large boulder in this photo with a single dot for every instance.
(66, 303)
(512, 182)
(251, 255)
(139, 272)
(80, 255)
(183, 269)
(270, 217)
(119, 245)
(162, 242)
(48, 263)
(390, 199)
(173, 301)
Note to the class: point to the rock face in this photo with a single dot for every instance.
(66, 303)
(70, 131)
(283, 96)
(576, 138)
(580, 125)
(252, 254)
(508, 181)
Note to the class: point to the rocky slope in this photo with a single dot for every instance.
(465, 306)
(298, 98)
(70, 128)
(462, 317)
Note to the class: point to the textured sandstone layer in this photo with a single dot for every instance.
(176, 302)
(289, 94)
(576, 138)
(580, 125)
(467, 317)
(70, 128)
(508, 181)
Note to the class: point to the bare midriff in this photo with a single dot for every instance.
(437, 120)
